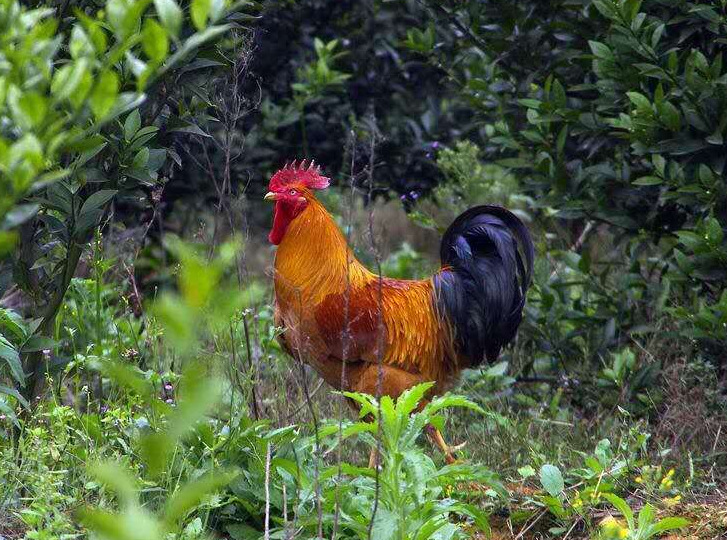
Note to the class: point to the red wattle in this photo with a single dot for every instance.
(283, 214)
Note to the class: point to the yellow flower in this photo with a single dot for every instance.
(613, 528)
(639, 480)
(672, 501)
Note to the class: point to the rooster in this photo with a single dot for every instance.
(366, 333)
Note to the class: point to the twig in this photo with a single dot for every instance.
(576, 247)
(267, 492)
(301, 407)
(532, 523)
(576, 522)
(253, 390)
(380, 330)
(346, 335)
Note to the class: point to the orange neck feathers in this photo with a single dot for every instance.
(313, 259)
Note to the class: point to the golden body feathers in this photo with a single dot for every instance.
(334, 310)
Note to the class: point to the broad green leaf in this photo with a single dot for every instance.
(135, 523)
(12, 322)
(409, 400)
(386, 525)
(141, 159)
(103, 96)
(448, 400)
(669, 115)
(154, 40)
(116, 478)
(193, 43)
(8, 411)
(641, 102)
(29, 107)
(126, 375)
(190, 495)
(80, 44)
(715, 234)
(12, 359)
(97, 200)
(199, 11)
(622, 506)
(669, 524)
(19, 215)
(125, 16)
(39, 343)
(132, 124)
(552, 479)
(170, 14)
(601, 50)
(648, 181)
(68, 78)
(646, 516)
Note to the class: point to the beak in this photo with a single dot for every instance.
(270, 196)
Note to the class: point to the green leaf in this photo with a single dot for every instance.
(669, 115)
(141, 159)
(448, 400)
(622, 506)
(38, 343)
(14, 393)
(29, 108)
(125, 15)
(104, 94)
(132, 124)
(194, 42)
(97, 200)
(12, 360)
(154, 41)
(600, 50)
(80, 44)
(126, 375)
(409, 400)
(715, 234)
(12, 322)
(641, 102)
(170, 14)
(648, 181)
(190, 495)
(117, 479)
(646, 516)
(558, 95)
(68, 78)
(19, 215)
(669, 524)
(199, 10)
(552, 479)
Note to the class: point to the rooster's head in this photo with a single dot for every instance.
(292, 189)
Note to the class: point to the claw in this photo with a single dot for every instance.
(457, 447)
(449, 451)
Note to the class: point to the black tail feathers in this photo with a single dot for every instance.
(487, 266)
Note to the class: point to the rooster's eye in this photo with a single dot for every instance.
(293, 192)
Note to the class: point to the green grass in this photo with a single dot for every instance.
(191, 422)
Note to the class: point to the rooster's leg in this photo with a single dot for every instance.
(449, 451)
(373, 458)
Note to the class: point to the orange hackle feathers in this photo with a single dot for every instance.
(335, 310)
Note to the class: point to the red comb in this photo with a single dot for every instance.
(307, 174)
